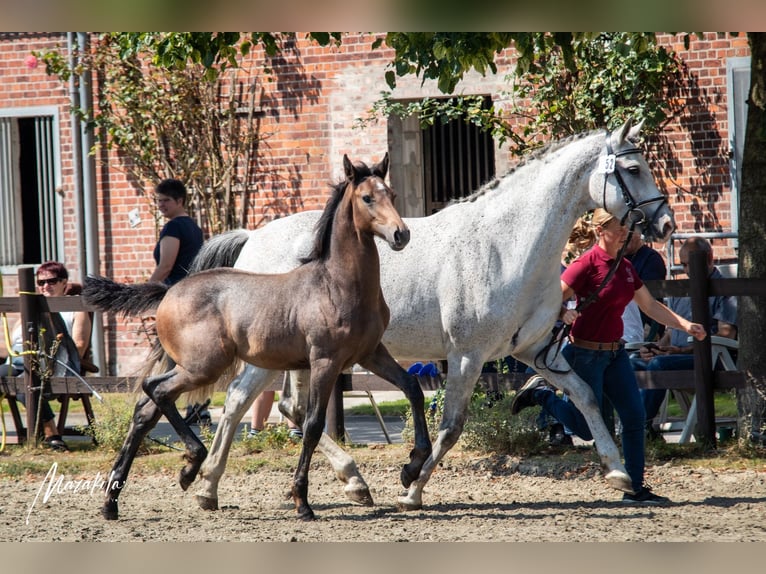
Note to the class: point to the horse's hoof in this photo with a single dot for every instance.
(185, 479)
(109, 511)
(620, 480)
(406, 504)
(359, 494)
(306, 516)
(206, 502)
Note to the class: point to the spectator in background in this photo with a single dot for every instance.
(649, 265)
(180, 238)
(53, 281)
(673, 352)
(180, 241)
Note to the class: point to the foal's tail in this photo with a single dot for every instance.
(220, 250)
(134, 299)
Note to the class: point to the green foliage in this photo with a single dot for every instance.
(489, 428)
(113, 418)
(564, 83)
(444, 56)
(599, 83)
(272, 437)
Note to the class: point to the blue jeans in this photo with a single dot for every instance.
(610, 374)
(652, 398)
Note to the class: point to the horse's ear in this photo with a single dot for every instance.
(634, 135)
(381, 168)
(624, 130)
(348, 168)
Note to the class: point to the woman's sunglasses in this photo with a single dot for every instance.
(51, 281)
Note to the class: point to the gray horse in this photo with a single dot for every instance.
(479, 281)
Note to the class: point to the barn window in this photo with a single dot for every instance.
(30, 210)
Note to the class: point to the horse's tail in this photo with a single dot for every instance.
(220, 250)
(107, 295)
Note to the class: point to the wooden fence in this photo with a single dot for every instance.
(704, 379)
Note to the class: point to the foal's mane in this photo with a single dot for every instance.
(323, 228)
(534, 155)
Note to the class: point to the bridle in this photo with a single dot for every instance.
(635, 215)
(635, 211)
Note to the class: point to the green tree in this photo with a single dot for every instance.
(178, 105)
(563, 83)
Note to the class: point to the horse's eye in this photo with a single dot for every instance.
(634, 170)
(367, 199)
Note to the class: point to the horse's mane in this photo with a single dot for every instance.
(533, 155)
(323, 228)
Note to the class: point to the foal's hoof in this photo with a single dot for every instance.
(207, 503)
(620, 480)
(109, 511)
(185, 479)
(306, 515)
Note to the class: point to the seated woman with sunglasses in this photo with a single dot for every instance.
(52, 281)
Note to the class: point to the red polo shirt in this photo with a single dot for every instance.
(601, 321)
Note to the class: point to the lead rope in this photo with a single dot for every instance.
(561, 332)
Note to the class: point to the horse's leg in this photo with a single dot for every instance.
(464, 371)
(145, 417)
(323, 376)
(241, 393)
(292, 403)
(383, 364)
(164, 391)
(584, 399)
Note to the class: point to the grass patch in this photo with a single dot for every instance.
(725, 405)
(398, 408)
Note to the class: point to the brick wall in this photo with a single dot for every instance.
(309, 111)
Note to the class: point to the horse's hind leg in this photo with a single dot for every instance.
(145, 417)
(383, 364)
(164, 391)
(292, 404)
(242, 392)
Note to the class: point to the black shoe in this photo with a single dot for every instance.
(557, 436)
(525, 395)
(645, 496)
(56, 443)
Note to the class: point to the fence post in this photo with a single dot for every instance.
(699, 290)
(29, 308)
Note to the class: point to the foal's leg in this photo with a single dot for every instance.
(164, 392)
(383, 364)
(242, 392)
(464, 371)
(145, 417)
(292, 404)
(324, 373)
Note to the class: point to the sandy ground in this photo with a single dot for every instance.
(469, 498)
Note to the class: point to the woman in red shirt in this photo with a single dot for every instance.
(595, 351)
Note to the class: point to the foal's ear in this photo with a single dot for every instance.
(381, 168)
(348, 169)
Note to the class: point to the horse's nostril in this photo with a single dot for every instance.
(402, 236)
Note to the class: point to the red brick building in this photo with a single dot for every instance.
(307, 119)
